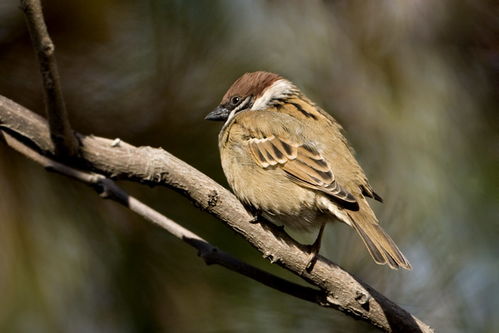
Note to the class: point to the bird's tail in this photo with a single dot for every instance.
(381, 247)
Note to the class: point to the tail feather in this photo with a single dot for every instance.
(381, 247)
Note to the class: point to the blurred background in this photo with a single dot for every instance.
(415, 84)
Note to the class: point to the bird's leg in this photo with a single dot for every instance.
(255, 213)
(314, 249)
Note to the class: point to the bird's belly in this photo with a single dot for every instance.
(307, 221)
(272, 193)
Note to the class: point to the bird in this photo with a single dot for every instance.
(288, 159)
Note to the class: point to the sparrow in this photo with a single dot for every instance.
(287, 159)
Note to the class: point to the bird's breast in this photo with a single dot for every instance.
(268, 189)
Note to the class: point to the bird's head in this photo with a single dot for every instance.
(252, 91)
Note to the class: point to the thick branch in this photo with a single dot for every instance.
(60, 128)
(210, 254)
(156, 166)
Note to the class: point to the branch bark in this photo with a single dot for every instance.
(108, 189)
(121, 160)
(55, 107)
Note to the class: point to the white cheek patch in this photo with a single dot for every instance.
(279, 89)
(227, 122)
(231, 115)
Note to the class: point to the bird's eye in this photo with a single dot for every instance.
(235, 100)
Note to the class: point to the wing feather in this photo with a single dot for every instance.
(303, 164)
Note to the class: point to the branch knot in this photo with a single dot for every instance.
(47, 47)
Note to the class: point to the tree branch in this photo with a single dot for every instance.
(60, 128)
(108, 189)
(157, 167)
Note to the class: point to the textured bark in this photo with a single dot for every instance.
(60, 128)
(108, 189)
(120, 160)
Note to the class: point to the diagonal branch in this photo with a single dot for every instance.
(30, 134)
(60, 128)
(210, 254)
(344, 292)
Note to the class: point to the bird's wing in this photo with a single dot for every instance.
(303, 164)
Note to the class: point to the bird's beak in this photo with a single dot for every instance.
(219, 114)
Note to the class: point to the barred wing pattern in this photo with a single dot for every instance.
(303, 164)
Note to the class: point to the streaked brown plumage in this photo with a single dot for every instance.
(287, 158)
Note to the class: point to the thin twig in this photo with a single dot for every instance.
(108, 189)
(156, 166)
(60, 129)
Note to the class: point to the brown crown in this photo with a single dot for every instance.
(253, 83)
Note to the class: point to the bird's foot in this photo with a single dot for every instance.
(254, 220)
(313, 254)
